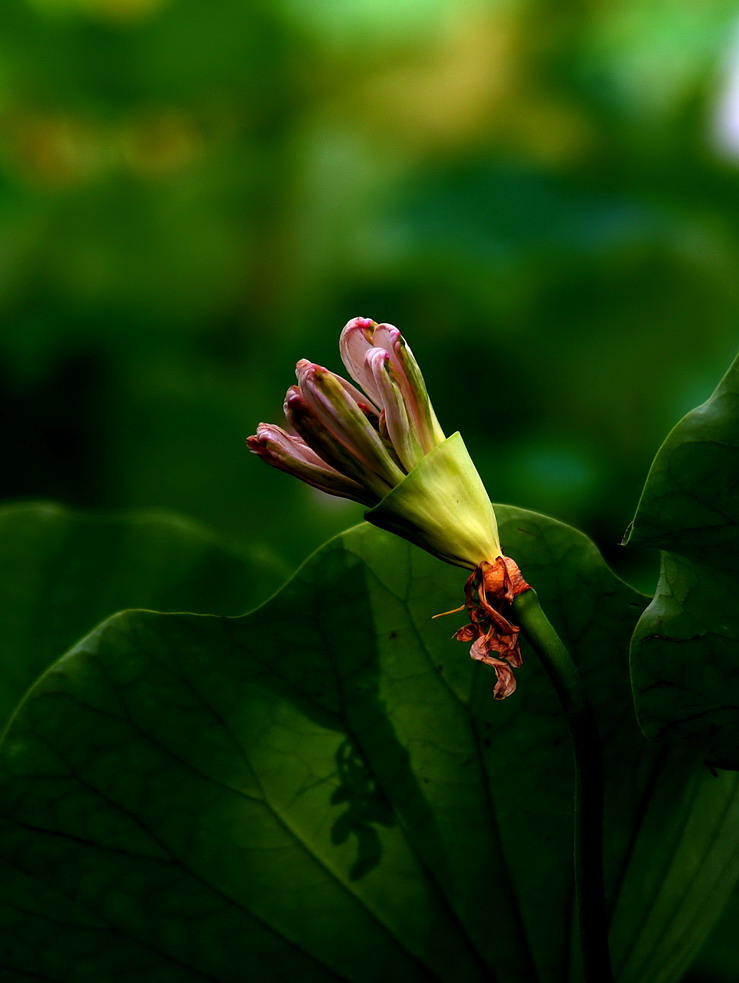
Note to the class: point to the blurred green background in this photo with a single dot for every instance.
(541, 195)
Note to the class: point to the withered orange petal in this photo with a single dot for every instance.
(506, 681)
(467, 634)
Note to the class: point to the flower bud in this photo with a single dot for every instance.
(291, 454)
(360, 337)
(384, 447)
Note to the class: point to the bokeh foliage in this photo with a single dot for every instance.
(191, 199)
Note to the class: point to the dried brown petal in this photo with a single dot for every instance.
(489, 590)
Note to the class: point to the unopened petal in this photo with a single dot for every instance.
(414, 388)
(409, 378)
(354, 343)
(385, 336)
(302, 417)
(400, 428)
(346, 422)
(290, 454)
(368, 407)
(269, 437)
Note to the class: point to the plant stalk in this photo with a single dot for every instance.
(588, 818)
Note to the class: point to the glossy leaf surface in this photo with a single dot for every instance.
(62, 572)
(325, 789)
(685, 660)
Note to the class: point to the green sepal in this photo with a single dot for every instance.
(442, 506)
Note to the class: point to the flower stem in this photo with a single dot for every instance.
(588, 820)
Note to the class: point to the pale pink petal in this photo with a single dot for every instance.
(320, 438)
(399, 427)
(385, 336)
(345, 422)
(302, 369)
(354, 343)
(410, 380)
(290, 454)
(289, 445)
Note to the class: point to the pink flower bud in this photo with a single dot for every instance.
(323, 440)
(290, 454)
(337, 407)
(383, 446)
(360, 340)
(373, 438)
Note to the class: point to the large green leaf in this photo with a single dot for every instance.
(718, 959)
(685, 652)
(62, 572)
(325, 788)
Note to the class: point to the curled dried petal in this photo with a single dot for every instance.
(489, 590)
(505, 681)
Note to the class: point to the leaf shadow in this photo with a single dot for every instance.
(365, 805)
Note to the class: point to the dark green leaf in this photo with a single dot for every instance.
(326, 788)
(684, 653)
(62, 572)
(718, 959)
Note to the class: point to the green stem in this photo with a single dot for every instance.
(588, 823)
